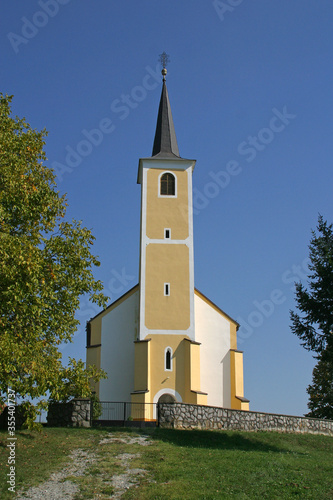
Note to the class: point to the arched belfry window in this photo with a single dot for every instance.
(167, 184)
(168, 359)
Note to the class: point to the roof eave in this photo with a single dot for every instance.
(160, 159)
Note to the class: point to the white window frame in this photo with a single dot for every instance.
(159, 185)
(165, 355)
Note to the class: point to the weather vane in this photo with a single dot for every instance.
(164, 60)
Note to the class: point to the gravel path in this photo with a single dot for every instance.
(59, 488)
(129, 477)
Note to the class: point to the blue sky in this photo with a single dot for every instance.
(250, 85)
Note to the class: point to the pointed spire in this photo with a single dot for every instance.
(165, 142)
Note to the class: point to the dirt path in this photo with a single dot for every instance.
(130, 477)
(59, 488)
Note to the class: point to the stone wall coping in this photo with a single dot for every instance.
(250, 412)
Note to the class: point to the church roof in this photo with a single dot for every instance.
(136, 288)
(165, 142)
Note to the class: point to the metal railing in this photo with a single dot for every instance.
(122, 413)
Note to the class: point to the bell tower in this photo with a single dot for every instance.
(166, 255)
(167, 357)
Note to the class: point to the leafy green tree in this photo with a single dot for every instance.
(314, 324)
(45, 266)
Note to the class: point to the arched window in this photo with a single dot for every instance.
(168, 359)
(168, 184)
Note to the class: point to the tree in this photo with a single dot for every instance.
(45, 266)
(314, 326)
(321, 391)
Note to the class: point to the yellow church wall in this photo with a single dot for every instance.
(245, 406)
(189, 359)
(142, 366)
(237, 381)
(233, 336)
(167, 212)
(96, 330)
(140, 409)
(195, 367)
(94, 358)
(184, 377)
(193, 356)
(139, 398)
(162, 379)
(187, 373)
(167, 263)
(142, 371)
(201, 399)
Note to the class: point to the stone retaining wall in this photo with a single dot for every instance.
(187, 416)
(75, 413)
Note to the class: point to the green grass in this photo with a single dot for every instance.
(183, 464)
(207, 465)
(40, 453)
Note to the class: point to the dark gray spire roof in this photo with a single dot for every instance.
(165, 142)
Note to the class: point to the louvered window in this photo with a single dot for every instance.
(168, 185)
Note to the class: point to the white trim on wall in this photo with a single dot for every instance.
(166, 289)
(141, 333)
(191, 250)
(160, 393)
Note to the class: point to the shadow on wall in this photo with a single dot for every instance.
(226, 382)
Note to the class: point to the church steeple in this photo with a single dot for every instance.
(166, 258)
(165, 142)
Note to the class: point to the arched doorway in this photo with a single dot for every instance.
(166, 395)
(167, 398)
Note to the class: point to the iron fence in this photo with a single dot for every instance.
(127, 413)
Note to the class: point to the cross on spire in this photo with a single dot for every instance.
(164, 60)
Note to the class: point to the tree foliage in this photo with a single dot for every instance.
(321, 391)
(314, 322)
(46, 264)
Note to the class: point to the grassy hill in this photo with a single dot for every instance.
(170, 464)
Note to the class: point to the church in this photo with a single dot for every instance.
(164, 340)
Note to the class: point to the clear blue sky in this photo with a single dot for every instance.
(250, 87)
